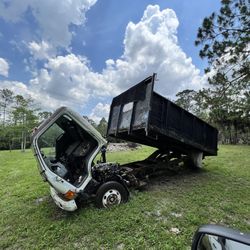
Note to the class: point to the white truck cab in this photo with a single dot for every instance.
(65, 146)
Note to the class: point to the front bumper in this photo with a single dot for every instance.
(65, 205)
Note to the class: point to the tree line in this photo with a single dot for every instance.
(225, 41)
(19, 115)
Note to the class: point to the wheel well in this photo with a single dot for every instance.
(115, 179)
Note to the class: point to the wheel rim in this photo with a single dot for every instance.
(111, 197)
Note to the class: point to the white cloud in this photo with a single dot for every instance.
(99, 111)
(53, 16)
(42, 50)
(4, 67)
(151, 45)
(64, 81)
(70, 81)
(16, 87)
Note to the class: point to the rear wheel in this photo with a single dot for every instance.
(110, 194)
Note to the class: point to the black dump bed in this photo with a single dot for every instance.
(140, 115)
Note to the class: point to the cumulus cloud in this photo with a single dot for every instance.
(60, 83)
(64, 80)
(53, 16)
(42, 50)
(4, 67)
(99, 111)
(151, 45)
(69, 80)
(15, 86)
(45, 100)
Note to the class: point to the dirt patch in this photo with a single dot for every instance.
(120, 246)
(40, 200)
(174, 178)
(59, 214)
(115, 147)
(174, 230)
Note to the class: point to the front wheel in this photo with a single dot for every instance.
(110, 194)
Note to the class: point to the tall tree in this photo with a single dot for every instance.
(19, 116)
(6, 98)
(194, 102)
(102, 127)
(44, 115)
(225, 38)
(185, 99)
(92, 122)
(225, 41)
(25, 118)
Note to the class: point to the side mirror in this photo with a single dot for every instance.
(210, 237)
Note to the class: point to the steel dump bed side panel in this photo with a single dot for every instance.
(143, 116)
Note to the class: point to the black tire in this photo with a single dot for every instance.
(111, 193)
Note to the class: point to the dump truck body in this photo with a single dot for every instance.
(143, 116)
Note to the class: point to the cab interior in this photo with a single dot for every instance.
(66, 148)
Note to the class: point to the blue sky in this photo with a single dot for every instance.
(101, 34)
(82, 53)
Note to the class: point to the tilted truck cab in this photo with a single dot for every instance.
(65, 146)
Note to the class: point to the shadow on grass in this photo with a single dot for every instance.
(171, 178)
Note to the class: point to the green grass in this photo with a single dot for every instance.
(218, 194)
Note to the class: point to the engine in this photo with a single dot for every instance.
(113, 171)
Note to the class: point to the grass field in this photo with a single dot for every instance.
(220, 193)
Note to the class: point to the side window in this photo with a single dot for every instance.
(47, 141)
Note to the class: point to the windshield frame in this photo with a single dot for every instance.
(83, 123)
